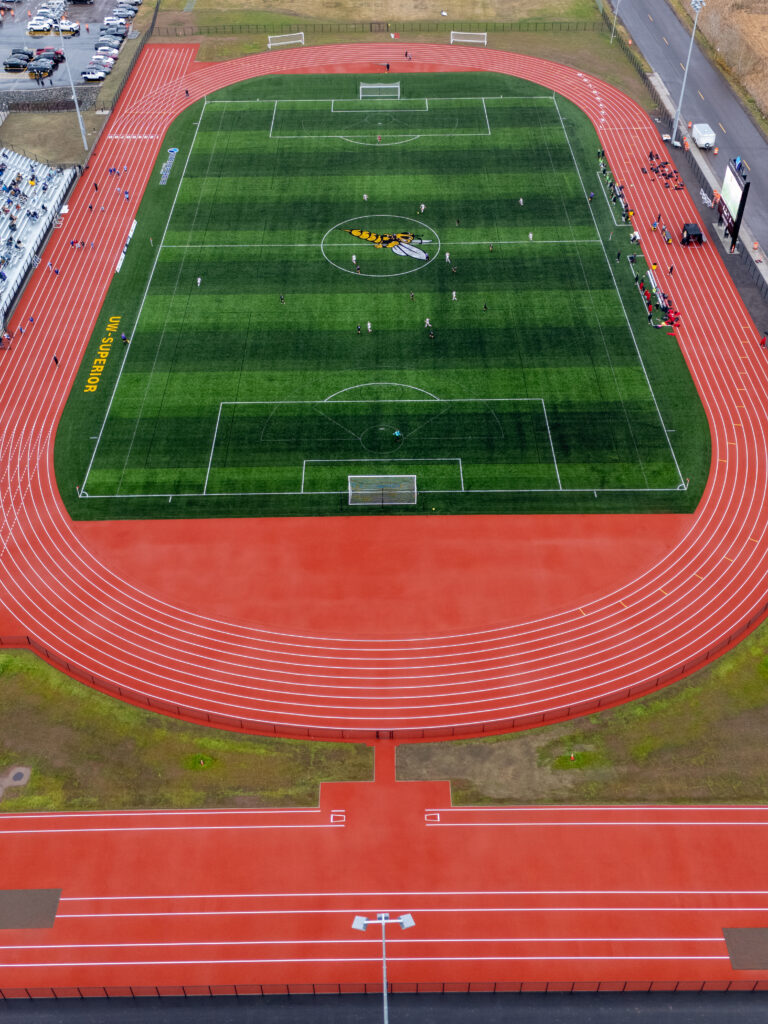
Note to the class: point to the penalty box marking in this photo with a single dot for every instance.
(363, 401)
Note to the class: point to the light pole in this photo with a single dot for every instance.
(615, 16)
(360, 923)
(697, 6)
(72, 87)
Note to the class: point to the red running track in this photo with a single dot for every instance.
(417, 654)
(527, 896)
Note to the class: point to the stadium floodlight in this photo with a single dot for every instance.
(72, 87)
(360, 923)
(697, 5)
(615, 16)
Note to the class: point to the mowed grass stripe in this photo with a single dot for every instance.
(537, 319)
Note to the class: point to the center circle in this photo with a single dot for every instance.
(380, 439)
(387, 245)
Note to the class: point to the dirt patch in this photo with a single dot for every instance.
(736, 33)
(500, 771)
(51, 138)
(400, 10)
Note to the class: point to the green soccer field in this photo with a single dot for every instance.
(334, 300)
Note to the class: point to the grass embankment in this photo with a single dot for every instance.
(89, 751)
(700, 741)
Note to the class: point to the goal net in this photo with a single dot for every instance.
(292, 39)
(481, 38)
(379, 90)
(382, 490)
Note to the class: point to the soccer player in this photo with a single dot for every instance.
(369, 327)
(453, 297)
(199, 281)
(447, 257)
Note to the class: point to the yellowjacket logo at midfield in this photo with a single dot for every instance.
(401, 243)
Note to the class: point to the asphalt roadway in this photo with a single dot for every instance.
(664, 41)
(480, 1008)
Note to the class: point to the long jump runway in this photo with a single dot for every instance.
(525, 896)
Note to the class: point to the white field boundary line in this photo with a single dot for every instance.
(563, 940)
(170, 303)
(352, 401)
(611, 205)
(407, 109)
(415, 959)
(397, 894)
(342, 245)
(682, 484)
(172, 828)
(306, 911)
(405, 131)
(600, 332)
(548, 96)
(405, 461)
(83, 489)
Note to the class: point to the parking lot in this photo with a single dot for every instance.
(78, 49)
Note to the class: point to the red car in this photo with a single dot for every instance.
(57, 56)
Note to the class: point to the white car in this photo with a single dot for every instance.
(100, 58)
(37, 27)
(108, 51)
(115, 21)
(93, 74)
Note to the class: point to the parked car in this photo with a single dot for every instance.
(22, 51)
(108, 51)
(114, 42)
(93, 74)
(40, 68)
(124, 12)
(112, 21)
(98, 61)
(14, 63)
(39, 28)
(57, 56)
(67, 28)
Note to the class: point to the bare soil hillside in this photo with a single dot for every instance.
(738, 31)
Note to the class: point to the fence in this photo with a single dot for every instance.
(266, 728)
(394, 988)
(368, 27)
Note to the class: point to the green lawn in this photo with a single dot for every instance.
(539, 387)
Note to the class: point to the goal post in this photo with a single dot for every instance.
(479, 38)
(382, 490)
(379, 90)
(293, 39)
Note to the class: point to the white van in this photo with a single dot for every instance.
(703, 136)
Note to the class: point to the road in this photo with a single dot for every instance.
(478, 1008)
(664, 41)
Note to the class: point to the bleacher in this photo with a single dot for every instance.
(31, 195)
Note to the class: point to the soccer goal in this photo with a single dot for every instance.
(294, 39)
(379, 90)
(382, 490)
(481, 38)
